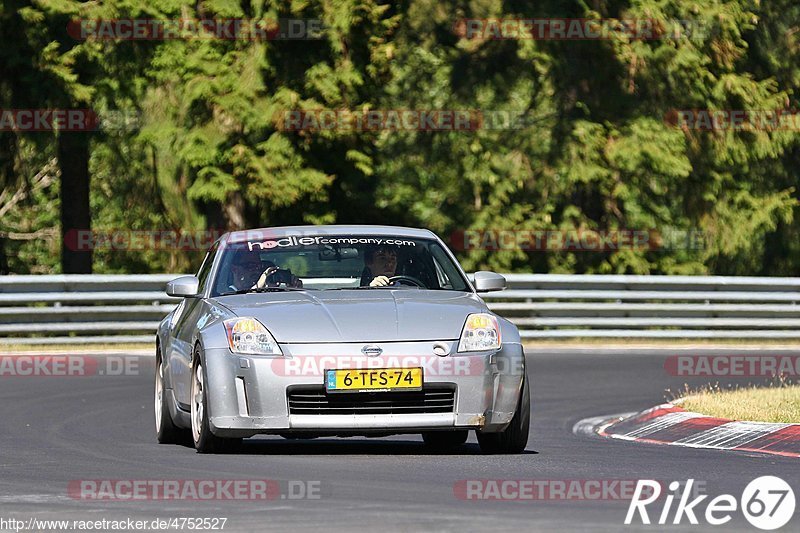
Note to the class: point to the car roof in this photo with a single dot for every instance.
(332, 229)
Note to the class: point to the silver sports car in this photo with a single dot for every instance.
(338, 331)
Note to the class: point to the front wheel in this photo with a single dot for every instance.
(204, 440)
(514, 438)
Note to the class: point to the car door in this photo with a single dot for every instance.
(182, 332)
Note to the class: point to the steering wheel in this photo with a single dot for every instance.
(274, 276)
(411, 280)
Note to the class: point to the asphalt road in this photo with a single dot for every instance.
(58, 430)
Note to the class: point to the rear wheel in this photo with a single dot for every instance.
(204, 440)
(443, 440)
(166, 430)
(514, 438)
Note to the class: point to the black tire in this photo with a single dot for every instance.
(205, 441)
(443, 440)
(166, 430)
(515, 437)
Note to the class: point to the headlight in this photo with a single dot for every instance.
(481, 332)
(249, 336)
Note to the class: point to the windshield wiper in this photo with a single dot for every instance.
(365, 287)
(263, 289)
(349, 288)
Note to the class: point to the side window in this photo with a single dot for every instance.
(205, 268)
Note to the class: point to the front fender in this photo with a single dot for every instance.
(209, 328)
(508, 370)
(508, 331)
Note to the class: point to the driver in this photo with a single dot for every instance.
(380, 264)
(250, 272)
(246, 267)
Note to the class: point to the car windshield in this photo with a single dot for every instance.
(326, 262)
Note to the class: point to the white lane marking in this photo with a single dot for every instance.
(661, 422)
(730, 435)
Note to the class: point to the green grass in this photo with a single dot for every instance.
(779, 403)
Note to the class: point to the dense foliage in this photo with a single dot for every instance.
(595, 143)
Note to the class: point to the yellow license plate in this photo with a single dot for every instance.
(373, 379)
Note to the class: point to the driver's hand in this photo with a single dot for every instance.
(380, 281)
(262, 281)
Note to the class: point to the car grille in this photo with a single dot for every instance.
(316, 401)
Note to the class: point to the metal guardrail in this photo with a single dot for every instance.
(82, 309)
(127, 308)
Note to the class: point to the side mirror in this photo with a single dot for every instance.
(184, 287)
(486, 281)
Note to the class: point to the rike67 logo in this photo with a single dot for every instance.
(767, 503)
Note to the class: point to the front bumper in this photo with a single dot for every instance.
(248, 395)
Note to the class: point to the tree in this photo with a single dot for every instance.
(44, 71)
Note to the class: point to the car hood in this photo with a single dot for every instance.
(377, 315)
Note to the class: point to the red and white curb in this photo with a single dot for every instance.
(672, 425)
